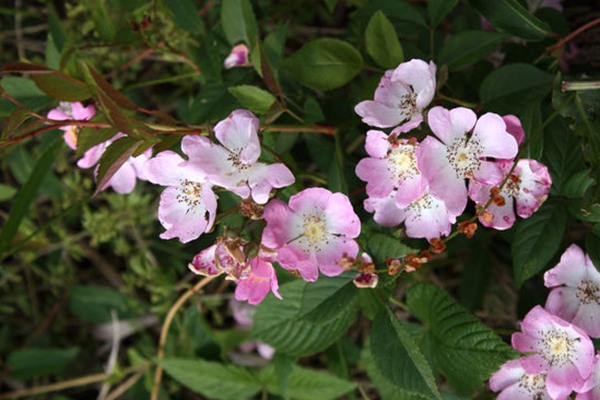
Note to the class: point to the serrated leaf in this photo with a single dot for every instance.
(382, 42)
(510, 88)
(512, 17)
(468, 47)
(438, 9)
(465, 350)
(113, 158)
(253, 98)
(578, 184)
(324, 64)
(537, 239)
(562, 154)
(27, 194)
(311, 318)
(397, 357)
(382, 247)
(307, 384)
(238, 22)
(33, 362)
(209, 378)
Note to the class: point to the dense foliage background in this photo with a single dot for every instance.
(86, 282)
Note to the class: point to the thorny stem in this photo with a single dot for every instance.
(165, 330)
(55, 387)
(561, 43)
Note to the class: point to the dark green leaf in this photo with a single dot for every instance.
(34, 362)
(382, 247)
(103, 21)
(562, 154)
(95, 303)
(468, 47)
(578, 184)
(238, 22)
(212, 379)
(397, 357)
(89, 137)
(537, 239)
(438, 9)
(6, 192)
(14, 121)
(307, 384)
(382, 42)
(465, 350)
(25, 91)
(185, 15)
(512, 17)
(113, 158)
(475, 276)
(592, 247)
(324, 64)
(253, 98)
(27, 194)
(311, 318)
(512, 87)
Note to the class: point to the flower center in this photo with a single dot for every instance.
(190, 193)
(417, 207)
(314, 229)
(533, 384)
(557, 348)
(73, 133)
(408, 102)
(588, 292)
(464, 156)
(234, 159)
(402, 162)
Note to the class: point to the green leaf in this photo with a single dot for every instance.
(475, 276)
(25, 91)
(211, 379)
(592, 246)
(510, 88)
(14, 121)
(382, 247)
(562, 154)
(34, 362)
(253, 98)
(94, 303)
(578, 184)
(185, 15)
(6, 192)
(311, 318)
(27, 194)
(438, 9)
(468, 47)
(464, 349)
(103, 21)
(113, 158)
(512, 17)
(238, 22)
(398, 359)
(324, 64)
(307, 384)
(382, 42)
(89, 137)
(537, 239)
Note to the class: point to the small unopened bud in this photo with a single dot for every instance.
(366, 280)
(346, 262)
(437, 246)
(467, 228)
(412, 262)
(394, 266)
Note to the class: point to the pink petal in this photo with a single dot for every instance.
(166, 169)
(571, 269)
(337, 248)
(123, 181)
(513, 126)
(239, 132)
(491, 134)
(378, 114)
(449, 125)
(386, 210)
(341, 218)
(410, 189)
(377, 144)
(419, 75)
(562, 302)
(277, 232)
(375, 172)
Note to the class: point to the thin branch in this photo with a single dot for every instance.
(165, 330)
(327, 130)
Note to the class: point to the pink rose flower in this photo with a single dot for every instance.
(312, 233)
(239, 57)
(575, 294)
(514, 383)
(71, 111)
(401, 97)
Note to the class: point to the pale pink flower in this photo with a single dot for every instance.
(426, 217)
(561, 350)
(260, 280)
(216, 260)
(460, 154)
(234, 164)
(575, 294)
(71, 111)
(514, 383)
(514, 127)
(401, 96)
(188, 206)
(312, 233)
(527, 186)
(239, 57)
(591, 387)
(392, 165)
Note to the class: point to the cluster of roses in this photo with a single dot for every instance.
(423, 183)
(312, 232)
(556, 338)
(419, 183)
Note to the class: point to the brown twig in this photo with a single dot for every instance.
(562, 42)
(56, 125)
(327, 130)
(165, 330)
